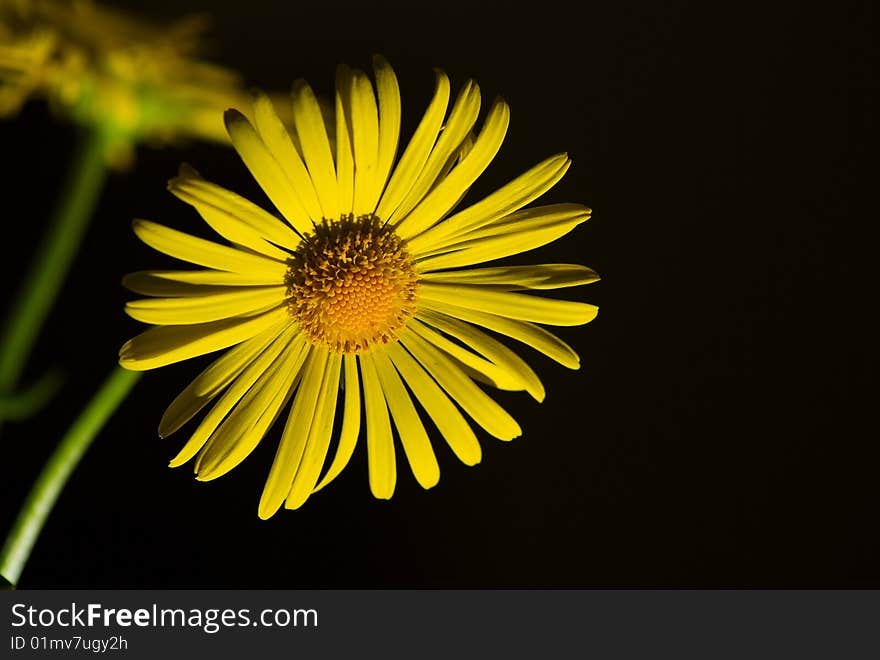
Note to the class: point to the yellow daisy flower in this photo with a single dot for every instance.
(135, 80)
(363, 297)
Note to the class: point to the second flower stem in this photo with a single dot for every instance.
(52, 260)
(58, 469)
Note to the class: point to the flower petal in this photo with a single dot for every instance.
(296, 433)
(380, 444)
(206, 253)
(344, 154)
(497, 376)
(247, 424)
(516, 278)
(351, 422)
(280, 145)
(179, 283)
(417, 151)
(389, 119)
(504, 201)
(239, 387)
(365, 143)
(522, 307)
(312, 133)
(450, 190)
(413, 437)
(475, 402)
(168, 344)
(518, 233)
(266, 170)
(319, 437)
(532, 335)
(505, 359)
(189, 186)
(450, 422)
(212, 380)
(202, 309)
(461, 119)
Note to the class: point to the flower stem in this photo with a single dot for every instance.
(55, 253)
(25, 403)
(57, 470)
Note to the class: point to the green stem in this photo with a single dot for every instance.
(57, 470)
(53, 257)
(26, 403)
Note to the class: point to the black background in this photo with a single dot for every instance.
(720, 430)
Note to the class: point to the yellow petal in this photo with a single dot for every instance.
(179, 283)
(168, 344)
(380, 444)
(506, 360)
(450, 422)
(247, 424)
(190, 186)
(517, 233)
(252, 372)
(344, 155)
(212, 380)
(504, 201)
(296, 433)
(389, 119)
(466, 146)
(206, 253)
(515, 278)
(202, 309)
(319, 437)
(193, 189)
(450, 190)
(417, 151)
(225, 223)
(537, 217)
(497, 376)
(522, 307)
(413, 437)
(475, 402)
(266, 170)
(351, 422)
(365, 143)
(461, 119)
(316, 147)
(279, 143)
(534, 336)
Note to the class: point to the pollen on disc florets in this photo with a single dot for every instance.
(351, 284)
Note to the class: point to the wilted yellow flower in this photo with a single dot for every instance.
(134, 80)
(363, 295)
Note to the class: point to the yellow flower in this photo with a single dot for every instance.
(135, 80)
(363, 297)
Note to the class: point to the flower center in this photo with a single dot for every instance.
(351, 284)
